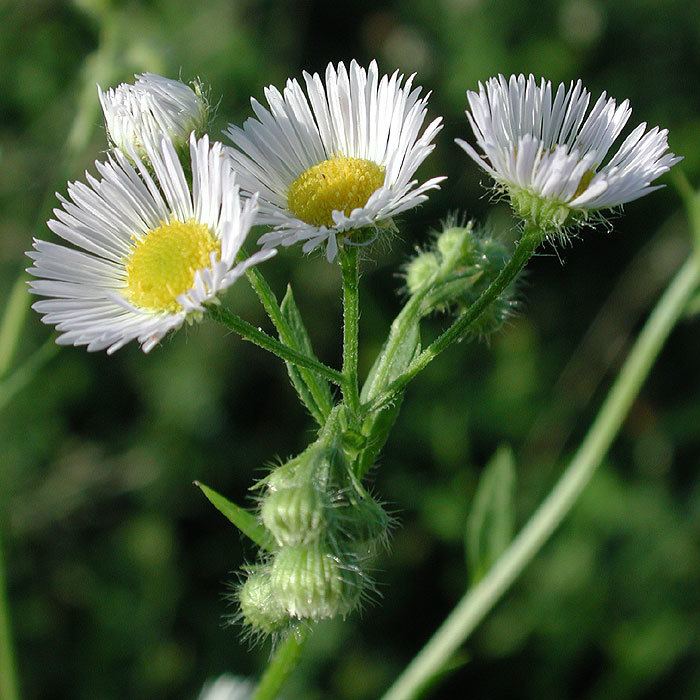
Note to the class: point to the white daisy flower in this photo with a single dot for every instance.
(548, 155)
(337, 158)
(153, 104)
(153, 251)
(227, 687)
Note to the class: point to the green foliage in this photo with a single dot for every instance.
(244, 520)
(318, 407)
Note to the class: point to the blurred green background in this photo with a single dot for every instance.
(118, 567)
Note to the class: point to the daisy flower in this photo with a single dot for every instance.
(547, 153)
(153, 104)
(149, 251)
(336, 158)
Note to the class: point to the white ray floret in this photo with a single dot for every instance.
(548, 151)
(152, 105)
(337, 157)
(149, 252)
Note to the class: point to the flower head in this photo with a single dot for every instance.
(337, 158)
(548, 156)
(152, 105)
(152, 250)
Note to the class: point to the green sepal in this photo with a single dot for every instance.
(491, 521)
(243, 519)
(313, 390)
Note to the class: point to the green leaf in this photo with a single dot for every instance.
(491, 521)
(312, 389)
(243, 519)
(402, 356)
(377, 426)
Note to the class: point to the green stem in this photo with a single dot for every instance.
(283, 663)
(400, 326)
(9, 686)
(479, 600)
(349, 263)
(269, 302)
(249, 332)
(529, 241)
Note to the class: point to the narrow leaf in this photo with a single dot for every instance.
(312, 389)
(407, 350)
(492, 518)
(243, 519)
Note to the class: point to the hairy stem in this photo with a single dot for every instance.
(522, 253)
(480, 599)
(349, 264)
(249, 332)
(280, 668)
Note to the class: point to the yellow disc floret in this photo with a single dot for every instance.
(337, 184)
(163, 264)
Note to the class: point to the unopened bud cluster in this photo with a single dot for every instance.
(456, 269)
(325, 526)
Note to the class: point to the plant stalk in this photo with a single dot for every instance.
(480, 599)
(280, 668)
(529, 241)
(249, 332)
(349, 263)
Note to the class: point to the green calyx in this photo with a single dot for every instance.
(324, 524)
(260, 608)
(461, 263)
(538, 212)
(314, 583)
(296, 514)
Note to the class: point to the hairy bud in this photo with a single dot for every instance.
(311, 582)
(421, 270)
(295, 515)
(462, 262)
(260, 609)
(362, 519)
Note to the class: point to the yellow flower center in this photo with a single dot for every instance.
(163, 264)
(337, 184)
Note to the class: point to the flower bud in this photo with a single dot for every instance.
(363, 520)
(456, 246)
(294, 515)
(311, 582)
(260, 609)
(152, 108)
(420, 270)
